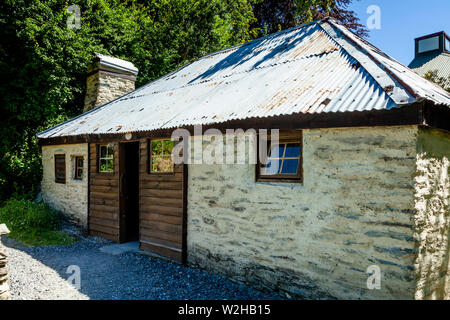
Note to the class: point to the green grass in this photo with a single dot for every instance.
(34, 224)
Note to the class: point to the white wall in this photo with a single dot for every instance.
(71, 197)
(355, 209)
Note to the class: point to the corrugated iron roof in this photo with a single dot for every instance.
(315, 68)
(439, 61)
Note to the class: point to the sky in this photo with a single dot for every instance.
(402, 21)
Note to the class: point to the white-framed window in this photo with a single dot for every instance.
(106, 158)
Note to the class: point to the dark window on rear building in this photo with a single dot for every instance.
(60, 168)
(79, 161)
(283, 162)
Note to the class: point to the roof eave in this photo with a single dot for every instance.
(411, 114)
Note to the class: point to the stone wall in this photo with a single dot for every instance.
(103, 87)
(432, 219)
(317, 239)
(71, 197)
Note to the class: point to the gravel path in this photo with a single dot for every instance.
(40, 273)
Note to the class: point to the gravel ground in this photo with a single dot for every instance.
(40, 273)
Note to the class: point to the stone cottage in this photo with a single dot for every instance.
(348, 196)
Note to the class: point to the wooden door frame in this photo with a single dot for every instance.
(111, 231)
(185, 221)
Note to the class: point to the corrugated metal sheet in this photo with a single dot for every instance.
(403, 77)
(117, 63)
(429, 62)
(315, 68)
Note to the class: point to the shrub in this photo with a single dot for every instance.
(34, 224)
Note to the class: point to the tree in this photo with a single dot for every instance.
(276, 15)
(433, 76)
(43, 62)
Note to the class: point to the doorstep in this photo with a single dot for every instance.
(120, 248)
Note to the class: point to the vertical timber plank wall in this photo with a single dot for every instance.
(162, 210)
(104, 197)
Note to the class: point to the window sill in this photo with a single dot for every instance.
(162, 173)
(279, 180)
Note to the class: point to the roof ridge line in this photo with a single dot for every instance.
(275, 34)
(300, 26)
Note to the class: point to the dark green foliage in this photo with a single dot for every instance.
(276, 15)
(43, 63)
(33, 224)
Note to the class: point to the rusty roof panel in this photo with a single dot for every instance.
(316, 68)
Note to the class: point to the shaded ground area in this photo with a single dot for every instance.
(41, 273)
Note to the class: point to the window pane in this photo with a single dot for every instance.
(162, 164)
(110, 163)
(80, 162)
(110, 152)
(103, 167)
(80, 173)
(290, 166)
(274, 148)
(106, 165)
(102, 151)
(162, 147)
(429, 44)
(157, 147)
(167, 147)
(292, 150)
(272, 167)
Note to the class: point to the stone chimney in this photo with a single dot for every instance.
(108, 78)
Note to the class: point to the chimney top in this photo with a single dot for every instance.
(114, 64)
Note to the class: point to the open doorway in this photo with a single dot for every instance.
(129, 191)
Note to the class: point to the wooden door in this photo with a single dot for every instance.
(103, 195)
(162, 209)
